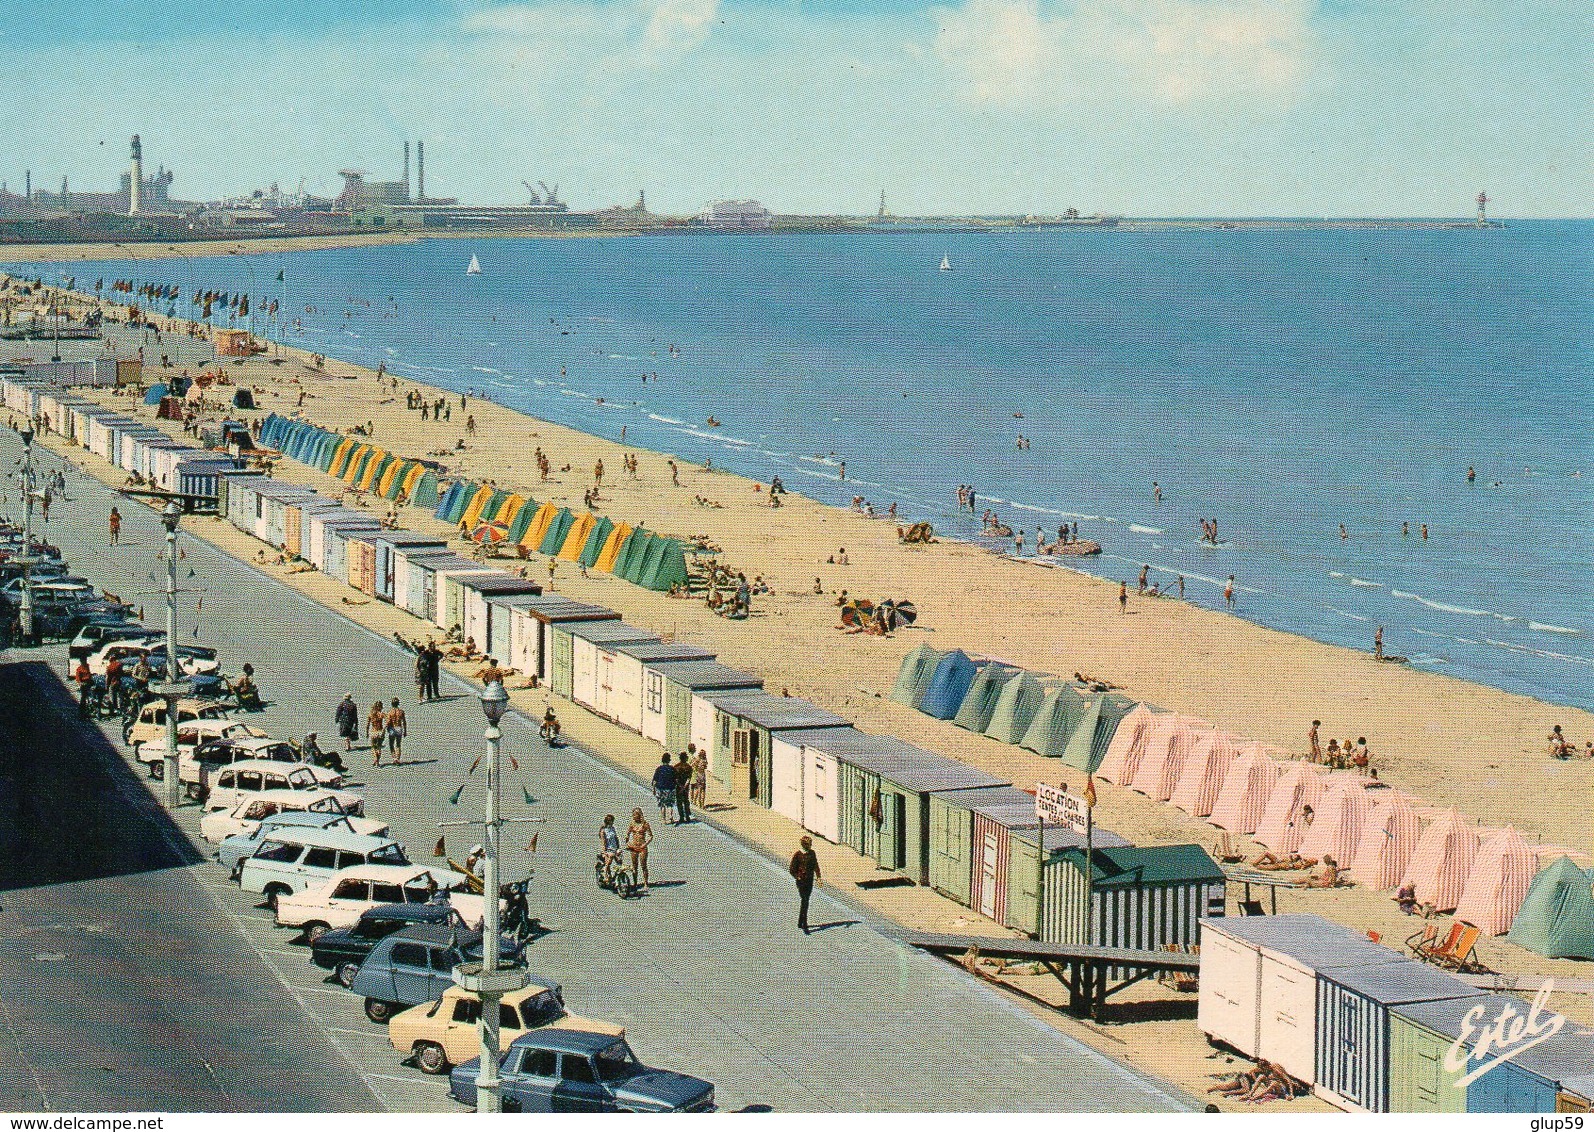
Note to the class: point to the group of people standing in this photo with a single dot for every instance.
(676, 787)
(384, 727)
(428, 670)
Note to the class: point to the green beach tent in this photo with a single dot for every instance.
(649, 561)
(1557, 915)
(669, 569)
(974, 714)
(595, 540)
(521, 521)
(1015, 708)
(557, 530)
(1080, 750)
(632, 553)
(1113, 709)
(494, 505)
(395, 482)
(1060, 712)
(424, 493)
(918, 668)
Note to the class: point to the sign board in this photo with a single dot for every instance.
(1055, 806)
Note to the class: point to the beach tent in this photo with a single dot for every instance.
(1282, 825)
(974, 714)
(1336, 831)
(1128, 746)
(1244, 794)
(596, 541)
(517, 516)
(1057, 717)
(473, 510)
(914, 674)
(643, 565)
(383, 484)
(612, 546)
(1093, 735)
(446, 503)
(424, 491)
(357, 462)
(372, 476)
(1015, 708)
(1501, 876)
(1201, 777)
(537, 529)
(1442, 861)
(510, 510)
(1388, 839)
(153, 395)
(948, 685)
(554, 537)
(667, 569)
(340, 457)
(1556, 918)
(575, 540)
(633, 553)
(1168, 746)
(493, 512)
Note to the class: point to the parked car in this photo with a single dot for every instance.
(343, 950)
(339, 902)
(266, 818)
(416, 965)
(97, 633)
(195, 660)
(58, 590)
(444, 1033)
(574, 1071)
(292, 860)
(191, 734)
(202, 763)
(63, 622)
(220, 824)
(150, 723)
(229, 785)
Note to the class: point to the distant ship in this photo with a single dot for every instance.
(946, 264)
(475, 267)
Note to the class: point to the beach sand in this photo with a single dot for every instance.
(1445, 741)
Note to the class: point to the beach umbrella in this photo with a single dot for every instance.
(1442, 861)
(1168, 744)
(489, 534)
(1245, 791)
(856, 614)
(1281, 827)
(1128, 746)
(1341, 817)
(1201, 777)
(1388, 839)
(1502, 873)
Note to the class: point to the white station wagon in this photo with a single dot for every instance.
(230, 784)
(220, 823)
(339, 902)
(292, 860)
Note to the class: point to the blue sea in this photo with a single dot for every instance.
(1282, 382)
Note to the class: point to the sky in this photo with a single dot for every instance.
(1127, 107)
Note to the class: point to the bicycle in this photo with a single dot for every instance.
(615, 875)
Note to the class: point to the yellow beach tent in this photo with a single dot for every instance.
(473, 512)
(576, 540)
(374, 467)
(411, 478)
(539, 526)
(340, 457)
(357, 461)
(511, 508)
(384, 483)
(611, 548)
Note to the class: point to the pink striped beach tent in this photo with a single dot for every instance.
(1281, 827)
(1202, 775)
(1128, 746)
(1341, 817)
(1168, 745)
(1244, 794)
(1501, 875)
(1388, 839)
(1442, 861)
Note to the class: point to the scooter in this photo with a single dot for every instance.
(615, 875)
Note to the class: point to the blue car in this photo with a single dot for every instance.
(342, 951)
(417, 964)
(574, 1071)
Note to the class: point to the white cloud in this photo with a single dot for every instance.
(1016, 52)
(677, 27)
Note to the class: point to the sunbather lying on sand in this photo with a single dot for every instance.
(1286, 863)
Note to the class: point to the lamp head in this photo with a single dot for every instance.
(27, 437)
(495, 701)
(171, 515)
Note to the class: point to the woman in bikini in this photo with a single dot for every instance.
(637, 839)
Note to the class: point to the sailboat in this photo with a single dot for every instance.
(475, 267)
(946, 264)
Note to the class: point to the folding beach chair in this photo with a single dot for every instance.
(1425, 944)
(1226, 851)
(1461, 957)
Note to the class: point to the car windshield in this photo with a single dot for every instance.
(541, 1009)
(617, 1062)
(391, 854)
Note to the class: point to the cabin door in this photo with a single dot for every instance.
(988, 875)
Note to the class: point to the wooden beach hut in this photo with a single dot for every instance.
(575, 653)
(667, 697)
(1353, 1011)
(1258, 991)
(481, 619)
(412, 576)
(1027, 863)
(802, 787)
(974, 714)
(531, 624)
(1142, 898)
(1421, 1038)
(746, 722)
(1020, 698)
(1576, 1095)
(391, 548)
(633, 673)
(969, 833)
(914, 674)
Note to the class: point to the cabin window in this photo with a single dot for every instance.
(655, 694)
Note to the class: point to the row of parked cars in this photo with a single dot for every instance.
(63, 602)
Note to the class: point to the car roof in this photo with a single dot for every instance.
(251, 743)
(281, 794)
(334, 839)
(399, 873)
(267, 764)
(293, 819)
(436, 932)
(566, 1041)
(414, 913)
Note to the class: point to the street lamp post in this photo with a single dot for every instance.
(26, 616)
(487, 979)
(172, 690)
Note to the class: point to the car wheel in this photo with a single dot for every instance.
(157, 769)
(378, 1011)
(314, 931)
(430, 1058)
(345, 974)
(272, 892)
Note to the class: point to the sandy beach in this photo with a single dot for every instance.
(1445, 741)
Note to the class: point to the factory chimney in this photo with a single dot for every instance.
(406, 171)
(27, 186)
(136, 181)
(420, 171)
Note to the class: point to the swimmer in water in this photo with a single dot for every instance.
(1471, 475)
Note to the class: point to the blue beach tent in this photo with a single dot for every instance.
(949, 683)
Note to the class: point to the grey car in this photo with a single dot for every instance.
(417, 964)
(239, 847)
(574, 1071)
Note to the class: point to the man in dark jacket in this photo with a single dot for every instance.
(664, 788)
(683, 788)
(434, 667)
(804, 870)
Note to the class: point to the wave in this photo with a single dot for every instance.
(1139, 530)
(1366, 584)
(1541, 627)
(664, 420)
(1343, 613)
(1443, 608)
(486, 369)
(1569, 658)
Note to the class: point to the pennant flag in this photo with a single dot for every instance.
(279, 277)
(1090, 790)
(474, 765)
(531, 846)
(453, 799)
(514, 762)
(441, 850)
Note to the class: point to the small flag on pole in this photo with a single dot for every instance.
(530, 801)
(1090, 790)
(531, 846)
(453, 799)
(475, 764)
(441, 850)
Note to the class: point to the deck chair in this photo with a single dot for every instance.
(1426, 943)
(1460, 957)
(1227, 851)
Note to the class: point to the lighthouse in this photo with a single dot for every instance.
(136, 182)
(1483, 201)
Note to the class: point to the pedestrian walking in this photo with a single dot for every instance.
(637, 839)
(434, 669)
(683, 789)
(375, 725)
(1228, 592)
(699, 775)
(1378, 643)
(347, 720)
(116, 526)
(395, 727)
(422, 674)
(804, 870)
(1123, 597)
(664, 788)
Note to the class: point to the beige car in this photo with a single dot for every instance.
(443, 1033)
(150, 726)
